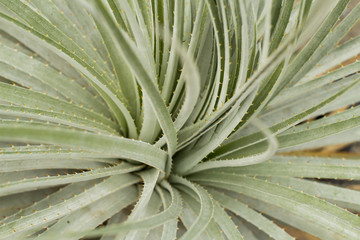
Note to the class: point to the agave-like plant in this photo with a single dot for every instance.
(166, 119)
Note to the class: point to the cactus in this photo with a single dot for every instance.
(163, 119)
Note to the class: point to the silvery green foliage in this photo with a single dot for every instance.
(167, 119)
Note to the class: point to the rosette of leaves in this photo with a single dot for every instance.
(177, 119)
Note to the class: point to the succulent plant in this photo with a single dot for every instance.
(177, 119)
